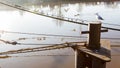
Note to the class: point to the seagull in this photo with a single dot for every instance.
(66, 9)
(77, 15)
(99, 17)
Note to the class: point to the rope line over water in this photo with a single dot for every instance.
(17, 43)
(115, 45)
(50, 55)
(44, 48)
(53, 35)
(46, 15)
(111, 24)
(36, 49)
(2, 31)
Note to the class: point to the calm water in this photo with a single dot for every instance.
(12, 19)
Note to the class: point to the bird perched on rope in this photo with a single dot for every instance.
(99, 17)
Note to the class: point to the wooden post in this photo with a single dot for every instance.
(79, 59)
(94, 44)
(82, 60)
(94, 36)
(96, 63)
(93, 55)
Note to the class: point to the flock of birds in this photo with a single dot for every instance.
(78, 14)
(97, 15)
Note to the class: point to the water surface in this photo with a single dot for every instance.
(16, 20)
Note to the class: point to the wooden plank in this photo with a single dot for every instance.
(105, 48)
(96, 54)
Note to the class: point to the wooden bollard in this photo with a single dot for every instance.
(82, 60)
(94, 35)
(92, 55)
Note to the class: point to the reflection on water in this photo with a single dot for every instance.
(12, 19)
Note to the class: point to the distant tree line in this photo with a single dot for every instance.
(41, 1)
